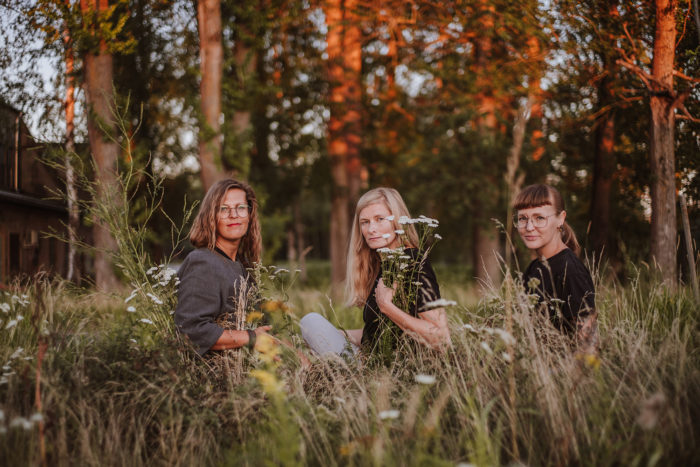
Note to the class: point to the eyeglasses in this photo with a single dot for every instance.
(537, 221)
(241, 210)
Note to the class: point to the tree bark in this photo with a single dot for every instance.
(344, 127)
(211, 55)
(661, 148)
(486, 241)
(604, 161)
(603, 169)
(104, 149)
(73, 273)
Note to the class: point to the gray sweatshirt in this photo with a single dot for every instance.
(209, 286)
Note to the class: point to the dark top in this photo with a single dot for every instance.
(428, 291)
(565, 287)
(210, 282)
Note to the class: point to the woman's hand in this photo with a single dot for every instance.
(262, 330)
(384, 294)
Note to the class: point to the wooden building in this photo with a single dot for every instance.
(26, 213)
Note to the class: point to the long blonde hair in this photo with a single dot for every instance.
(363, 262)
(203, 231)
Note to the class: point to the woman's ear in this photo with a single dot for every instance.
(562, 216)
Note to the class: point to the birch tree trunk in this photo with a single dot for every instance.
(73, 273)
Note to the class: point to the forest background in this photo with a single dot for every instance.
(456, 104)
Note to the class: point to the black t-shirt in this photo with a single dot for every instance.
(565, 287)
(428, 291)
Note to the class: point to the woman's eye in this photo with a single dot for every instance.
(539, 218)
(522, 219)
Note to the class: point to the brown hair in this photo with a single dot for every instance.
(541, 195)
(363, 262)
(203, 231)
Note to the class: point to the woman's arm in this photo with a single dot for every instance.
(430, 328)
(355, 336)
(233, 339)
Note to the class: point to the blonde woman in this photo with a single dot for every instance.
(374, 226)
(226, 233)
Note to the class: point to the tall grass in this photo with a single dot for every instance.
(110, 399)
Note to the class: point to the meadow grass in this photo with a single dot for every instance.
(117, 390)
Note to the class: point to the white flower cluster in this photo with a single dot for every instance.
(20, 422)
(7, 367)
(424, 379)
(403, 220)
(439, 303)
(389, 414)
(506, 337)
(163, 275)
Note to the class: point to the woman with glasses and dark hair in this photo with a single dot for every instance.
(213, 278)
(557, 276)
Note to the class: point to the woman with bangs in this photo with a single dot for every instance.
(374, 227)
(557, 276)
(214, 277)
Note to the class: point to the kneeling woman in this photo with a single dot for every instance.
(560, 280)
(213, 277)
(375, 226)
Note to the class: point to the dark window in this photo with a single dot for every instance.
(14, 251)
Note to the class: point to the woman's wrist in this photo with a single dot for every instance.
(252, 336)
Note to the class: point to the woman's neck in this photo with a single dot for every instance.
(551, 249)
(229, 248)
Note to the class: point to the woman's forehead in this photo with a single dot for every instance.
(374, 209)
(234, 196)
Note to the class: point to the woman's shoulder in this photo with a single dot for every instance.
(204, 258)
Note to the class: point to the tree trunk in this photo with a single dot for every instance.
(603, 169)
(211, 55)
(486, 241)
(661, 148)
(101, 131)
(344, 127)
(604, 153)
(73, 273)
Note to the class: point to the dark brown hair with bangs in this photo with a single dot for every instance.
(534, 196)
(203, 231)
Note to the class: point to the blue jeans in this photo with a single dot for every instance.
(324, 338)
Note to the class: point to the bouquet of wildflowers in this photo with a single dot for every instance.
(402, 268)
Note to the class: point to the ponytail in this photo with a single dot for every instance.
(569, 238)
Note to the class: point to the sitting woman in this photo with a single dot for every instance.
(213, 278)
(375, 226)
(560, 280)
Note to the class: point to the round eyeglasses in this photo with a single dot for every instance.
(538, 221)
(241, 210)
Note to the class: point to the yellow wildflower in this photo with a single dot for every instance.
(253, 316)
(268, 381)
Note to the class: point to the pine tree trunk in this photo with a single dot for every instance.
(486, 241)
(344, 127)
(603, 170)
(661, 150)
(211, 55)
(102, 126)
